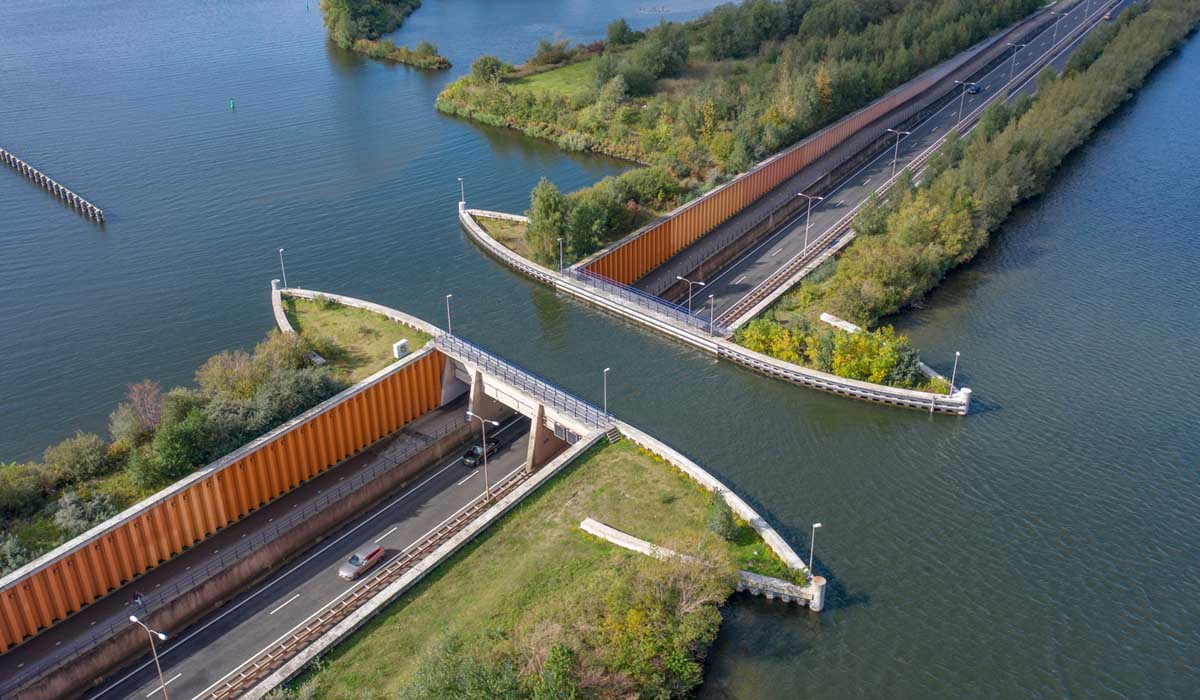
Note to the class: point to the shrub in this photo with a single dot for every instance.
(229, 374)
(232, 422)
(278, 351)
(290, 392)
(76, 515)
(619, 33)
(22, 489)
(145, 398)
(181, 447)
(720, 519)
(487, 69)
(84, 456)
(426, 48)
(13, 553)
(551, 52)
(180, 401)
(124, 426)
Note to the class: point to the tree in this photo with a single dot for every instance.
(487, 69)
(22, 489)
(124, 426)
(426, 48)
(720, 518)
(145, 398)
(76, 515)
(13, 553)
(78, 458)
(619, 33)
(182, 447)
(547, 221)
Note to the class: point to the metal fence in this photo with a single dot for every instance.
(676, 313)
(185, 582)
(523, 380)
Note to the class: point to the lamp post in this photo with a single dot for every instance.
(462, 192)
(962, 100)
(560, 255)
(1057, 16)
(954, 373)
(689, 283)
(154, 651)
(1016, 49)
(282, 271)
(812, 547)
(484, 422)
(896, 153)
(712, 308)
(808, 216)
(449, 329)
(606, 391)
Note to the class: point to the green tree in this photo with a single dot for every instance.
(547, 222)
(720, 518)
(487, 69)
(618, 33)
(78, 458)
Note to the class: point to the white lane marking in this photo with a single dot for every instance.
(303, 622)
(386, 534)
(157, 690)
(277, 579)
(777, 252)
(739, 280)
(284, 604)
(866, 181)
(841, 202)
(466, 479)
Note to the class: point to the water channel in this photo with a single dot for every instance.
(1043, 547)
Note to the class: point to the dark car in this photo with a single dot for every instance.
(973, 89)
(474, 456)
(362, 559)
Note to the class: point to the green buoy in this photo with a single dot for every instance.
(231, 107)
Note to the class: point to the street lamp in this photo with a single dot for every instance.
(448, 328)
(1016, 49)
(896, 154)
(712, 308)
(962, 100)
(954, 373)
(812, 546)
(560, 255)
(808, 216)
(484, 422)
(462, 192)
(282, 271)
(606, 390)
(689, 283)
(1057, 16)
(154, 651)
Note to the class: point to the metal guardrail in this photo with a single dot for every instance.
(183, 583)
(251, 672)
(817, 246)
(674, 312)
(523, 380)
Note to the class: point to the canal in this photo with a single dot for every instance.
(1043, 547)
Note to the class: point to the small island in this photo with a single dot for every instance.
(358, 26)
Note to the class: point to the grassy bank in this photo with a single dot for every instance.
(704, 100)
(424, 56)
(510, 234)
(535, 597)
(357, 343)
(907, 244)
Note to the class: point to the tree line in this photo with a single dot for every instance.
(350, 20)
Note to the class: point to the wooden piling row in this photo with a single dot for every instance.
(85, 207)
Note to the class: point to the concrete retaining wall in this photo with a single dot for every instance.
(284, 325)
(180, 612)
(956, 404)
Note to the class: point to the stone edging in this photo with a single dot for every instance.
(410, 578)
(400, 317)
(956, 404)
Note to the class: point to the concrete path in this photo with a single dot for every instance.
(744, 274)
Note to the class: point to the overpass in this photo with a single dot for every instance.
(228, 559)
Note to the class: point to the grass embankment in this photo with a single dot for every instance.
(357, 343)
(510, 234)
(534, 590)
(707, 99)
(906, 245)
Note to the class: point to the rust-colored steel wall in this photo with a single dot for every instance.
(632, 258)
(166, 525)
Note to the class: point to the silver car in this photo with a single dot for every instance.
(362, 559)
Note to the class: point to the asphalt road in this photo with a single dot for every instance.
(740, 277)
(214, 647)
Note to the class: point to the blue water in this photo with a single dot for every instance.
(1044, 547)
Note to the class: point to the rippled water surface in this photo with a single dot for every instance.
(1044, 547)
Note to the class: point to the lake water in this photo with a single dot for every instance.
(1043, 547)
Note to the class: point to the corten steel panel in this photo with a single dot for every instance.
(178, 522)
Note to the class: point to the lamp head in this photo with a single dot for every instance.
(133, 618)
(161, 636)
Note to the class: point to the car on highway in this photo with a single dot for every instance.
(362, 559)
(1108, 15)
(474, 456)
(973, 89)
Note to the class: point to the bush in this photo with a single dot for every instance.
(551, 52)
(487, 69)
(229, 374)
(720, 519)
(13, 553)
(181, 447)
(619, 33)
(180, 401)
(76, 515)
(426, 48)
(22, 490)
(84, 456)
(145, 398)
(289, 393)
(124, 426)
